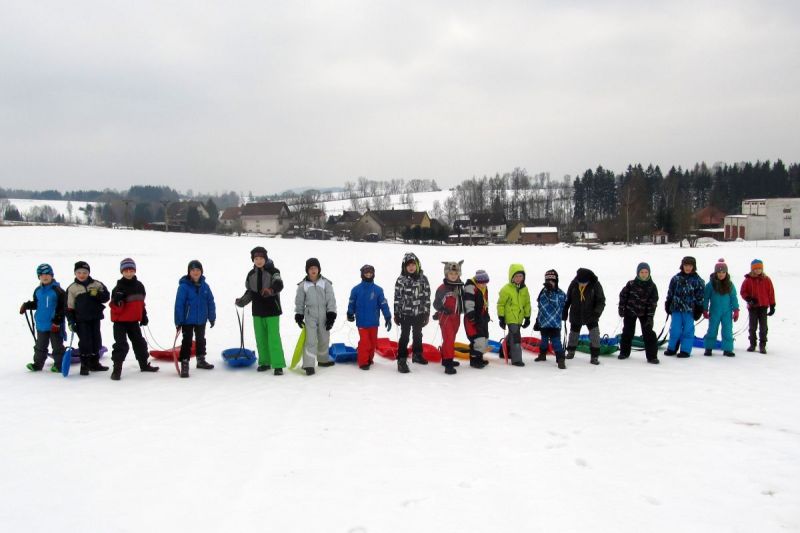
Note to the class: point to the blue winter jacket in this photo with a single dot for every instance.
(719, 304)
(50, 304)
(685, 292)
(194, 303)
(367, 302)
(551, 308)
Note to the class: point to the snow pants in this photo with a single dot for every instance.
(43, 340)
(575, 332)
(681, 330)
(449, 325)
(124, 331)
(89, 338)
(514, 343)
(550, 336)
(715, 320)
(413, 325)
(268, 341)
(367, 338)
(317, 342)
(648, 336)
(199, 332)
(758, 321)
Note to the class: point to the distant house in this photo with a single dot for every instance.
(659, 236)
(539, 235)
(514, 231)
(177, 214)
(585, 236)
(269, 218)
(230, 217)
(389, 223)
(341, 225)
(310, 217)
(493, 225)
(709, 217)
(764, 219)
(468, 238)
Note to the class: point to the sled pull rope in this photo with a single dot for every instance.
(29, 320)
(241, 330)
(151, 340)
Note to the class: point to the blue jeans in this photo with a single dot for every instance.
(681, 330)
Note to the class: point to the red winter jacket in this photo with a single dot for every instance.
(757, 291)
(127, 301)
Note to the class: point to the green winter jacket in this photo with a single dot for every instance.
(514, 302)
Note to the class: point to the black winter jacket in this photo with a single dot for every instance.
(638, 298)
(85, 300)
(259, 279)
(585, 308)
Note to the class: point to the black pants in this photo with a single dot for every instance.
(414, 325)
(199, 331)
(89, 339)
(43, 340)
(758, 321)
(648, 335)
(124, 331)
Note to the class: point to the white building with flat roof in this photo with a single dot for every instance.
(765, 219)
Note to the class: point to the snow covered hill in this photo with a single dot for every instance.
(702, 444)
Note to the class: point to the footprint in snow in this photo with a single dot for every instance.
(581, 462)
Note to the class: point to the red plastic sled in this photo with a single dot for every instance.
(431, 353)
(388, 348)
(167, 355)
(532, 345)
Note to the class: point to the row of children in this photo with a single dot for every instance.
(688, 297)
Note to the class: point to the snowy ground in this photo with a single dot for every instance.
(703, 444)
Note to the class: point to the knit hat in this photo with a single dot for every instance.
(689, 260)
(126, 264)
(44, 268)
(452, 266)
(720, 266)
(82, 265)
(551, 275)
(367, 268)
(583, 275)
(481, 276)
(194, 263)
(756, 263)
(313, 261)
(641, 266)
(258, 251)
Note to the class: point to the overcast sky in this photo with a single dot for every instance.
(262, 96)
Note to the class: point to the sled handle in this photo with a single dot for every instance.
(241, 329)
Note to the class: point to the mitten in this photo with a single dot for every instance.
(388, 325)
(330, 318)
(771, 310)
(351, 317)
(211, 323)
(526, 323)
(299, 319)
(735, 315)
(502, 321)
(706, 315)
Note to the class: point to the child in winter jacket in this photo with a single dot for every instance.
(365, 306)
(49, 302)
(263, 286)
(476, 317)
(449, 304)
(315, 310)
(551, 303)
(514, 311)
(758, 292)
(584, 305)
(684, 304)
(128, 314)
(194, 306)
(638, 300)
(412, 307)
(85, 299)
(720, 307)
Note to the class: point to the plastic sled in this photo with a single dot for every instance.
(699, 342)
(604, 340)
(532, 344)
(605, 349)
(66, 361)
(297, 355)
(341, 353)
(168, 355)
(638, 341)
(431, 353)
(386, 348)
(239, 357)
(495, 346)
(461, 350)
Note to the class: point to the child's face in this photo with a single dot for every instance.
(313, 272)
(644, 274)
(721, 275)
(411, 267)
(81, 275)
(757, 271)
(452, 275)
(481, 286)
(518, 277)
(369, 274)
(687, 268)
(46, 279)
(259, 261)
(194, 274)
(128, 273)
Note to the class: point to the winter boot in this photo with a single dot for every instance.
(278, 372)
(94, 364)
(541, 357)
(449, 368)
(417, 358)
(326, 363)
(263, 368)
(116, 374)
(669, 351)
(683, 355)
(751, 348)
(402, 365)
(707, 352)
(84, 365)
(518, 363)
(762, 348)
(309, 371)
(364, 367)
(33, 367)
(653, 360)
(476, 361)
(623, 355)
(202, 363)
(595, 355)
(147, 367)
(729, 354)
(570, 352)
(184, 369)
(560, 360)
(55, 368)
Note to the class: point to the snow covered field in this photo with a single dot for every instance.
(703, 444)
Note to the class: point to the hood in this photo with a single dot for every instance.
(186, 280)
(407, 258)
(585, 273)
(513, 269)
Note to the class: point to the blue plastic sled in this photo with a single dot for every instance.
(341, 353)
(495, 346)
(699, 342)
(66, 361)
(239, 357)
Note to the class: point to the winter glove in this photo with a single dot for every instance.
(668, 306)
(735, 315)
(470, 316)
(299, 319)
(502, 321)
(72, 326)
(752, 302)
(536, 326)
(266, 292)
(706, 315)
(330, 318)
(238, 302)
(436, 315)
(144, 321)
(697, 312)
(526, 323)
(565, 315)
(55, 328)
(621, 312)
(351, 317)
(23, 308)
(397, 319)
(388, 325)
(771, 310)
(211, 323)
(118, 297)
(425, 321)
